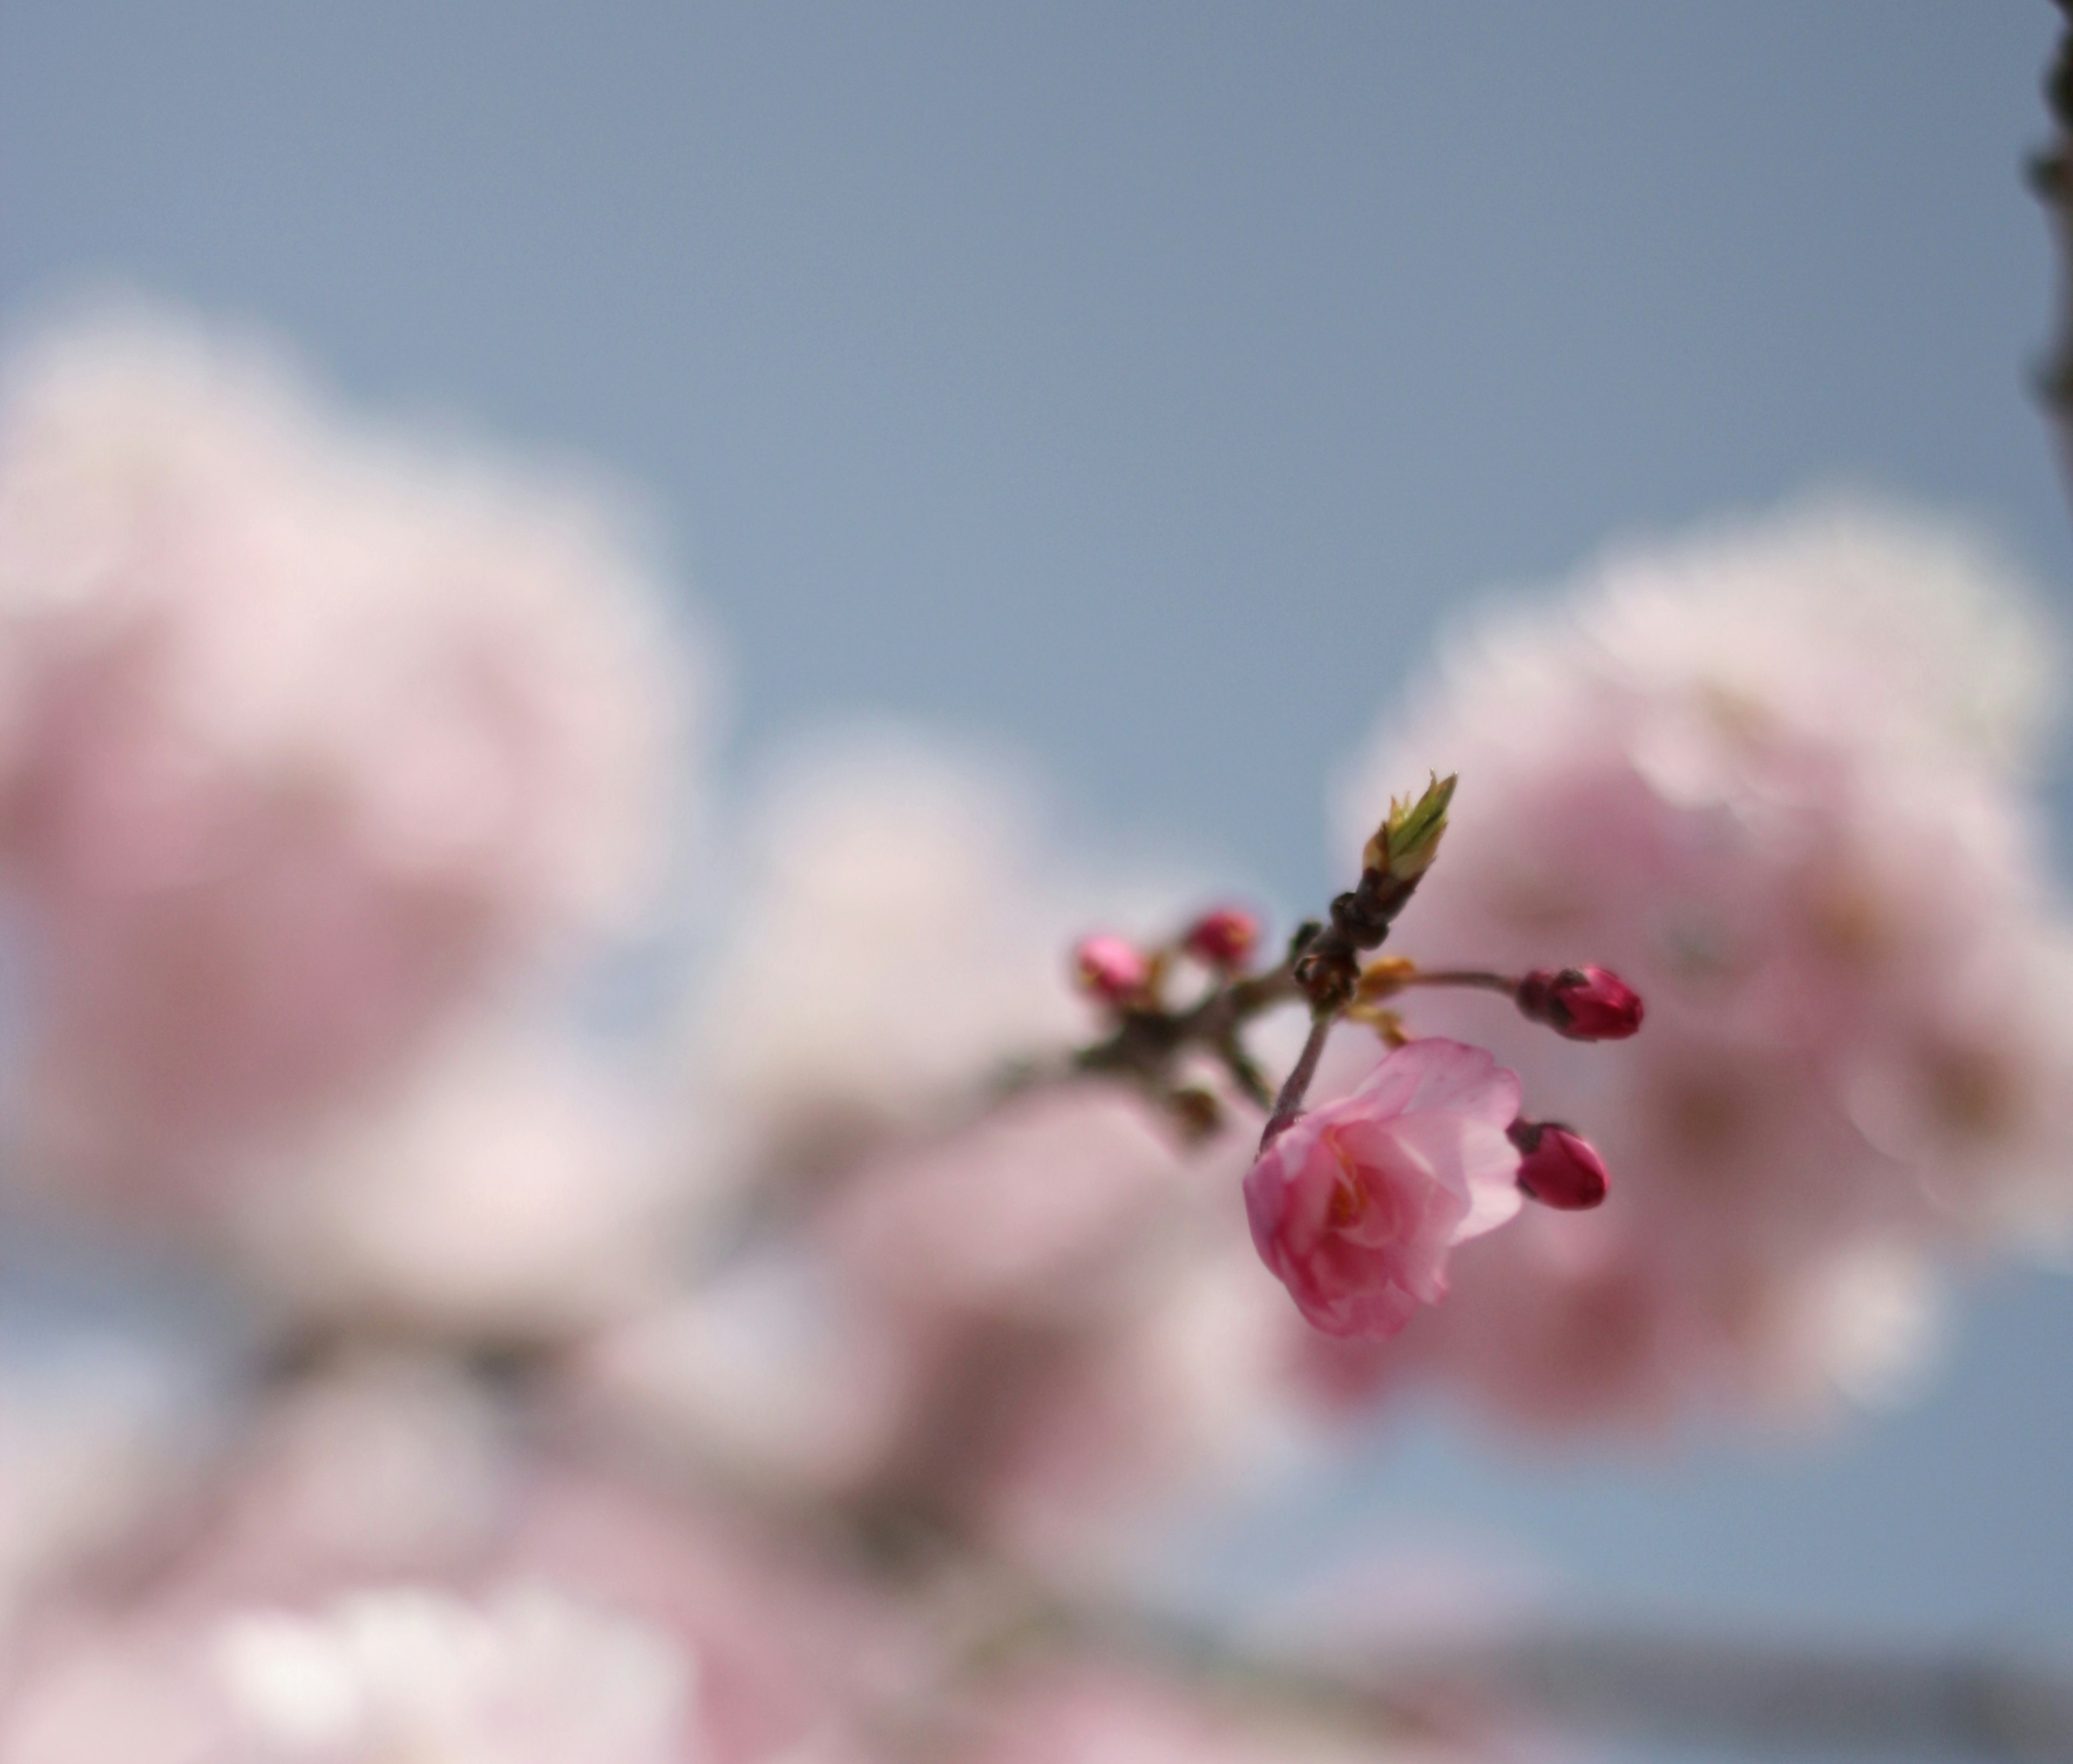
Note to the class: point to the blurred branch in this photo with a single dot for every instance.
(1656, 1685)
(2051, 177)
(1761, 1696)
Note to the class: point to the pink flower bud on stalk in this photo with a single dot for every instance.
(1559, 1168)
(1355, 1205)
(1225, 938)
(1110, 968)
(1586, 1004)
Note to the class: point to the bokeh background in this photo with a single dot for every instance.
(1138, 389)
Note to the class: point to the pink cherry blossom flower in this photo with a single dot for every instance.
(1355, 1206)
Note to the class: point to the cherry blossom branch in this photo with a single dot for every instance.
(1648, 1685)
(2051, 177)
(1466, 977)
(1651, 1685)
(1322, 967)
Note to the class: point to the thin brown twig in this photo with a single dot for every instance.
(2051, 177)
(1289, 1103)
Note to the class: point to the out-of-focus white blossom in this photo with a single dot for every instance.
(524, 1675)
(996, 1314)
(1043, 1272)
(379, 1471)
(770, 1372)
(1045, 1322)
(902, 934)
(506, 1190)
(1772, 777)
(306, 735)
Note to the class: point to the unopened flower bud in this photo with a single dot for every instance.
(1224, 938)
(1405, 844)
(1559, 1168)
(1586, 1004)
(1110, 968)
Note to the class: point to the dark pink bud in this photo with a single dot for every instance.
(1558, 1167)
(1225, 938)
(1586, 1004)
(1111, 967)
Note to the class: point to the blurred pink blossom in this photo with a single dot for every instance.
(1774, 777)
(791, 1643)
(504, 1189)
(1110, 967)
(1001, 1314)
(1040, 1207)
(401, 1477)
(306, 736)
(525, 1675)
(900, 934)
(1356, 1205)
(376, 1465)
(1039, 1323)
(1057, 1273)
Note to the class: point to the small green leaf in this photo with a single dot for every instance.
(1404, 845)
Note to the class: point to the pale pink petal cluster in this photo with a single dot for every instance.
(1357, 1205)
(534, 1585)
(1036, 1323)
(1052, 1275)
(996, 1310)
(503, 1187)
(900, 931)
(308, 735)
(524, 1675)
(1773, 777)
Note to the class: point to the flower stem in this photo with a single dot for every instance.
(1289, 1103)
(1478, 977)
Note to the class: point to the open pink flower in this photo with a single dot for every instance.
(1355, 1206)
